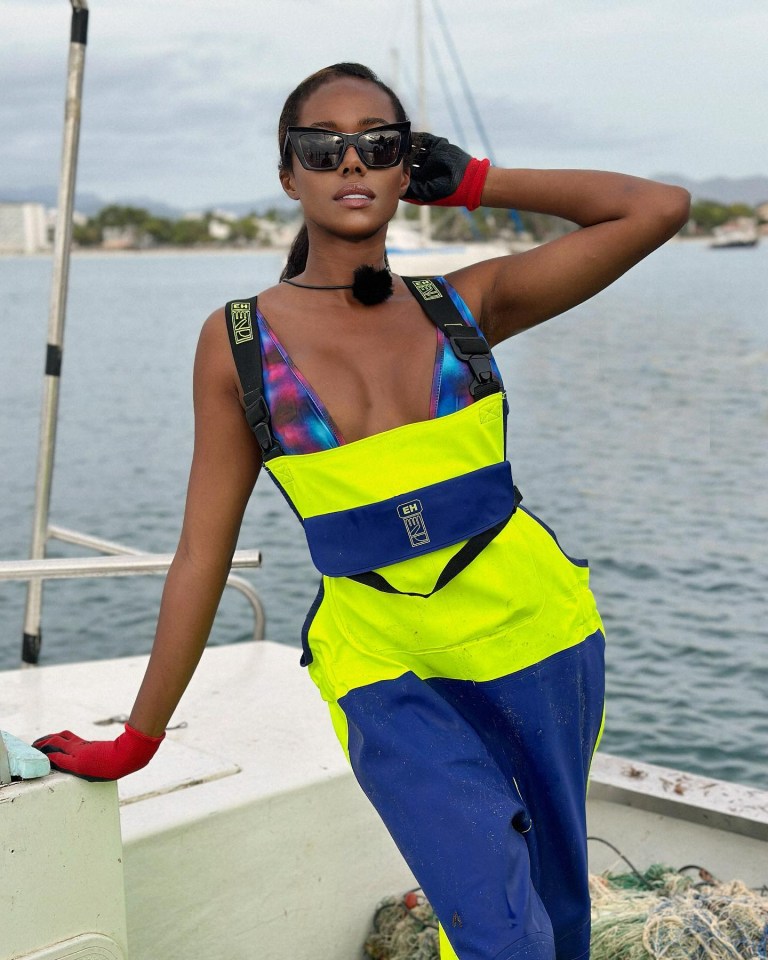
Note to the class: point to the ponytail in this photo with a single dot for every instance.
(297, 255)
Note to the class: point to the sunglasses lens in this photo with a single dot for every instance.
(380, 148)
(322, 151)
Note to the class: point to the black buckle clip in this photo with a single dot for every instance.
(484, 383)
(256, 410)
(257, 415)
(265, 440)
(474, 350)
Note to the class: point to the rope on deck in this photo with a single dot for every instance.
(662, 914)
(404, 928)
(672, 917)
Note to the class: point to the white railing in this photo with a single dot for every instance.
(122, 561)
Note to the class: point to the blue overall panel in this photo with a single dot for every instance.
(482, 786)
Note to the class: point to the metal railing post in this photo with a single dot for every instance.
(62, 243)
(125, 562)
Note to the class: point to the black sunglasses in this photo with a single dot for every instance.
(377, 147)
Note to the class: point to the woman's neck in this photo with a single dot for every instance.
(335, 259)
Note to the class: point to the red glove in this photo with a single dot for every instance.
(443, 175)
(99, 759)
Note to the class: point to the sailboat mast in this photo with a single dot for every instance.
(420, 46)
(424, 217)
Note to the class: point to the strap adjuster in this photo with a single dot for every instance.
(257, 415)
(256, 410)
(470, 346)
(484, 383)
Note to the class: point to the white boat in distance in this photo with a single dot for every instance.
(741, 232)
(410, 254)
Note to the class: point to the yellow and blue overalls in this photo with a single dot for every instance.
(460, 653)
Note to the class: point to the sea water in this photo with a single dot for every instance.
(638, 429)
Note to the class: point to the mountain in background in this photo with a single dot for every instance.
(727, 190)
(90, 204)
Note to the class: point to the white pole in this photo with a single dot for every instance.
(63, 239)
(424, 217)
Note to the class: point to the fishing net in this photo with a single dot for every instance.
(662, 914)
(403, 929)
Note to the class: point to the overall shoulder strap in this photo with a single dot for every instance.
(466, 342)
(246, 350)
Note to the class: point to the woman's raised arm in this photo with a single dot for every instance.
(622, 220)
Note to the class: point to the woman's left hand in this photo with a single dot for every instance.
(443, 174)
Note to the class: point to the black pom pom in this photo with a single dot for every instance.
(371, 286)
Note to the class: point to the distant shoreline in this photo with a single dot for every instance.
(156, 252)
(166, 251)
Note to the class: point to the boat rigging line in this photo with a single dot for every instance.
(467, 91)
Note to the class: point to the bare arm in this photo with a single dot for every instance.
(225, 466)
(622, 220)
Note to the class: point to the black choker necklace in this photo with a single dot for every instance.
(370, 286)
(314, 286)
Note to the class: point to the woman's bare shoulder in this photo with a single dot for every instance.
(214, 363)
(213, 334)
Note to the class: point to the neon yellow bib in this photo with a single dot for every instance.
(403, 493)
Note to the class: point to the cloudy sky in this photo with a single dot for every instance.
(182, 96)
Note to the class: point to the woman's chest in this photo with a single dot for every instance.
(366, 380)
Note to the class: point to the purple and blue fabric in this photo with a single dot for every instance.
(300, 420)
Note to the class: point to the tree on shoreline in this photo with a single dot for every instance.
(136, 227)
(709, 214)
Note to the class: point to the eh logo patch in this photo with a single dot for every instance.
(242, 327)
(411, 515)
(428, 290)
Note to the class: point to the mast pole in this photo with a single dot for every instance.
(32, 638)
(424, 215)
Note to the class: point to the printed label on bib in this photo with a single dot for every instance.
(427, 289)
(411, 515)
(241, 321)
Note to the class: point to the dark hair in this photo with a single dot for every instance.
(297, 256)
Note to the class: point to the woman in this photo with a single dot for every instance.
(458, 648)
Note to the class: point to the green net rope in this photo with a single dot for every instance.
(662, 914)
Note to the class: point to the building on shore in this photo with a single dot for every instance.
(23, 228)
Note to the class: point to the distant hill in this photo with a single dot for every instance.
(87, 203)
(90, 204)
(751, 190)
(278, 201)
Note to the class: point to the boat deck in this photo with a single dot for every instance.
(249, 825)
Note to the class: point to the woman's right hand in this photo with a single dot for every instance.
(99, 759)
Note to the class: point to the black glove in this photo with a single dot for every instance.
(443, 174)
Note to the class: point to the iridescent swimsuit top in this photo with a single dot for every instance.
(301, 422)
